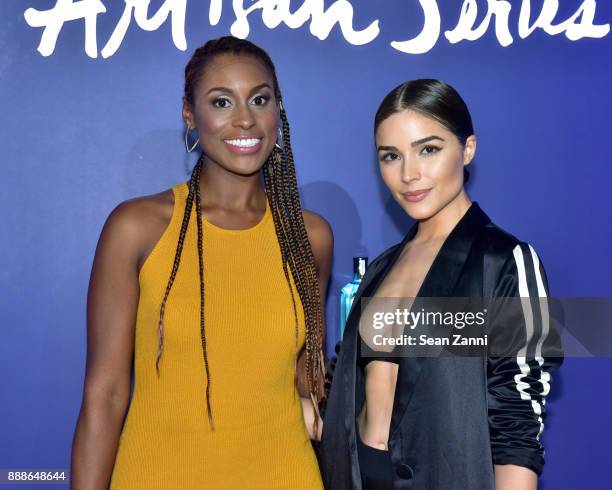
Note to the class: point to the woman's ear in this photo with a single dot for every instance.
(187, 114)
(469, 149)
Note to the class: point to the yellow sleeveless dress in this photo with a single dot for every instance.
(260, 440)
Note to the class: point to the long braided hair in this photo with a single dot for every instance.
(282, 193)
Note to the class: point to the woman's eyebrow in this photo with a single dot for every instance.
(414, 143)
(219, 89)
(386, 148)
(230, 91)
(425, 140)
(257, 88)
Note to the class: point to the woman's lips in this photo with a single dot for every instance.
(416, 196)
(242, 149)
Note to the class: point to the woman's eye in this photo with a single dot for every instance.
(221, 102)
(260, 100)
(387, 157)
(430, 150)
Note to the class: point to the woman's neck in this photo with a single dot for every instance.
(227, 190)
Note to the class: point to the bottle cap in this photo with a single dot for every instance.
(360, 264)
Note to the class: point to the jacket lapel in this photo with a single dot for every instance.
(440, 281)
(348, 355)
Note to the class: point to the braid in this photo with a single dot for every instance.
(271, 182)
(283, 196)
(175, 266)
(194, 190)
(198, 169)
(281, 186)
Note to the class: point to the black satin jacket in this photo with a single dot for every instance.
(453, 417)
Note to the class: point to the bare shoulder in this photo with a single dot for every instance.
(317, 227)
(138, 223)
(315, 223)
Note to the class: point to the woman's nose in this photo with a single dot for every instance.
(410, 172)
(244, 117)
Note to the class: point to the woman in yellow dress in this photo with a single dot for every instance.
(213, 290)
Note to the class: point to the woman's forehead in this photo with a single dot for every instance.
(235, 71)
(409, 122)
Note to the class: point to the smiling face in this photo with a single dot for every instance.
(235, 113)
(421, 161)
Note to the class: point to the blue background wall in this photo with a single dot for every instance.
(79, 135)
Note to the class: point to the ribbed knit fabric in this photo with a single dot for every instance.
(259, 440)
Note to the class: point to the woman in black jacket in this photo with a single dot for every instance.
(442, 422)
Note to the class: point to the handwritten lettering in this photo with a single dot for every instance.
(465, 27)
(66, 10)
(322, 20)
(578, 26)
(69, 10)
(141, 9)
(428, 36)
(275, 12)
(573, 31)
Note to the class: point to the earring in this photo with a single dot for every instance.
(192, 147)
(279, 139)
(280, 143)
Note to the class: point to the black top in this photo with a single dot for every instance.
(365, 356)
(453, 418)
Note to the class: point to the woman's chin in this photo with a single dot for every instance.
(417, 211)
(245, 167)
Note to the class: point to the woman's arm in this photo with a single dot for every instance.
(512, 477)
(111, 310)
(519, 381)
(309, 418)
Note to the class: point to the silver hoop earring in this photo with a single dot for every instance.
(192, 147)
(279, 140)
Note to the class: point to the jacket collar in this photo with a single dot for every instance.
(440, 281)
(444, 272)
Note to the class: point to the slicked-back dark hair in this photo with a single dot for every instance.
(432, 98)
(283, 196)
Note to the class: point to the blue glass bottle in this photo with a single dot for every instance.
(348, 292)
